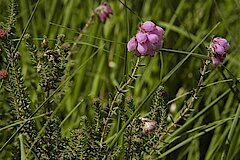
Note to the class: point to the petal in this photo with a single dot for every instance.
(153, 38)
(157, 46)
(142, 48)
(158, 30)
(132, 44)
(102, 17)
(222, 41)
(147, 26)
(216, 61)
(218, 49)
(141, 37)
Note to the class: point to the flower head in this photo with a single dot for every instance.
(218, 49)
(3, 33)
(148, 40)
(103, 11)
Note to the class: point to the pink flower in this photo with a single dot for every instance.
(148, 40)
(141, 37)
(218, 48)
(147, 26)
(132, 44)
(103, 11)
(142, 48)
(222, 42)
(153, 38)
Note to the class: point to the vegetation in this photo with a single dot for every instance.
(70, 88)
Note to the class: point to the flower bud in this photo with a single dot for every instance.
(103, 11)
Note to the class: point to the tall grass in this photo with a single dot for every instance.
(99, 65)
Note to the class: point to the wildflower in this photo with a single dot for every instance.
(103, 11)
(218, 49)
(3, 33)
(148, 40)
(3, 74)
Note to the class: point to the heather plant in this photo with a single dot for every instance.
(119, 80)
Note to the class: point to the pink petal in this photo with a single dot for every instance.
(218, 49)
(141, 37)
(153, 38)
(222, 41)
(216, 61)
(142, 48)
(132, 44)
(147, 26)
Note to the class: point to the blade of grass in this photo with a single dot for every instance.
(26, 27)
(19, 122)
(23, 156)
(230, 135)
(190, 139)
(190, 121)
(70, 113)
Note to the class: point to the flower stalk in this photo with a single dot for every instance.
(121, 90)
(186, 110)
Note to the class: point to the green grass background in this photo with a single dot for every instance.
(185, 22)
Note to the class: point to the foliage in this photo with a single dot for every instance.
(70, 89)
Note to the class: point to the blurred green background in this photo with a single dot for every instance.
(185, 22)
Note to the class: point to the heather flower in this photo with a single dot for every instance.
(3, 33)
(218, 49)
(103, 11)
(132, 44)
(148, 26)
(222, 42)
(3, 74)
(148, 40)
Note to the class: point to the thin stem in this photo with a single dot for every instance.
(121, 90)
(83, 30)
(189, 106)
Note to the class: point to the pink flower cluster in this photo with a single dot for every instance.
(103, 11)
(218, 47)
(148, 40)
